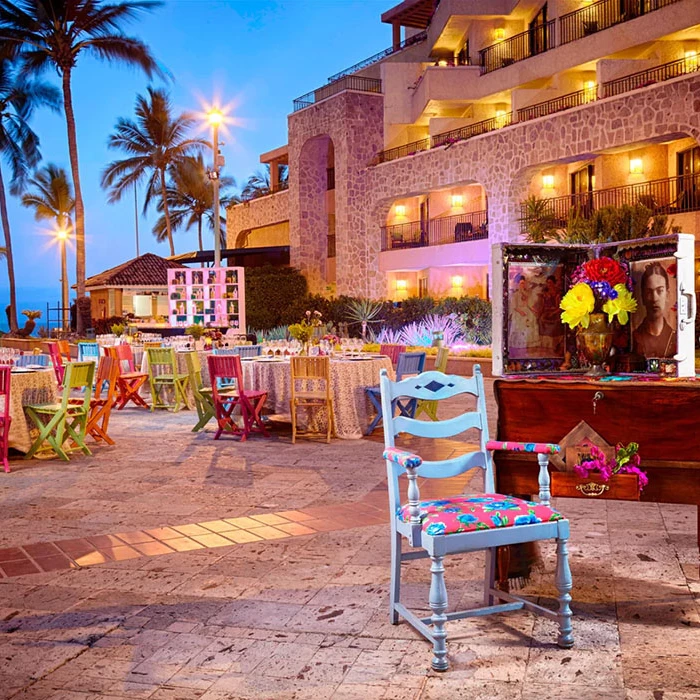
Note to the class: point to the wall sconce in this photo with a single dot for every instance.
(636, 166)
(590, 90)
(457, 201)
(501, 118)
(548, 182)
(400, 210)
(691, 60)
(499, 34)
(457, 281)
(401, 285)
(442, 62)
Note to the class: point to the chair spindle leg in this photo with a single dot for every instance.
(564, 584)
(438, 604)
(395, 594)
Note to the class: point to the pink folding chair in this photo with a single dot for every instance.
(392, 352)
(57, 361)
(5, 418)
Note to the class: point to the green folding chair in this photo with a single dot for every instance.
(203, 400)
(428, 406)
(163, 376)
(60, 422)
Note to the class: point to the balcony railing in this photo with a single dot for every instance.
(408, 149)
(603, 14)
(518, 47)
(283, 185)
(542, 109)
(674, 69)
(471, 226)
(350, 82)
(415, 39)
(673, 195)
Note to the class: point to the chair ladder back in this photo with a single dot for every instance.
(125, 356)
(88, 350)
(409, 363)
(225, 367)
(162, 356)
(441, 360)
(79, 375)
(194, 369)
(107, 373)
(392, 351)
(248, 350)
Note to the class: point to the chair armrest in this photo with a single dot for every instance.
(404, 459)
(546, 448)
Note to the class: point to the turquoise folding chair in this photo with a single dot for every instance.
(26, 360)
(88, 352)
(463, 523)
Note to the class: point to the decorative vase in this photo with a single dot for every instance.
(595, 343)
(305, 349)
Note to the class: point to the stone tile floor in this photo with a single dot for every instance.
(173, 567)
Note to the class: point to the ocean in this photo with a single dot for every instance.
(33, 298)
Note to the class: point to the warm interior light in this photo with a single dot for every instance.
(400, 210)
(548, 182)
(691, 60)
(457, 281)
(457, 201)
(636, 166)
(215, 117)
(590, 90)
(442, 62)
(499, 34)
(500, 118)
(401, 285)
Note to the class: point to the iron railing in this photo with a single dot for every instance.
(415, 39)
(603, 14)
(349, 82)
(518, 47)
(674, 69)
(330, 246)
(672, 195)
(447, 138)
(471, 226)
(558, 104)
(281, 186)
(408, 149)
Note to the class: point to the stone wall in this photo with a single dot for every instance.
(257, 213)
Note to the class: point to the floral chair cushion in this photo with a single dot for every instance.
(481, 511)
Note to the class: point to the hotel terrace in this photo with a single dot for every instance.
(405, 168)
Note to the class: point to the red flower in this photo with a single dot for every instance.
(672, 270)
(605, 270)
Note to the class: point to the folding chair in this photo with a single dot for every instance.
(307, 374)
(245, 351)
(59, 422)
(57, 361)
(25, 360)
(392, 352)
(88, 352)
(226, 399)
(463, 523)
(430, 407)
(408, 363)
(162, 376)
(5, 418)
(103, 399)
(203, 400)
(129, 381)
(149, 344)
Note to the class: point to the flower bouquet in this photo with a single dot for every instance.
(304, 330)
(625, 461)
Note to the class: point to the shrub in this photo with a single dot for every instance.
(104, 325)
(275, 296)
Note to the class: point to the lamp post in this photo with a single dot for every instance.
(62, 236)
(215, 119)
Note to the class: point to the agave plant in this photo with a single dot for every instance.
(276, 333)
(389, 336)
(364, 312)
(421, 332)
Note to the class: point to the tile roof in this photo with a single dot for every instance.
(147, 270)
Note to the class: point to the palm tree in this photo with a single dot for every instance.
(19, 146)
(52, 197)
(258, 184)
(53, 33)
(154, 143)
(190, 198)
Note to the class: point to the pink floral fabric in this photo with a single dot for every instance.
(402, 458)
(546, 448)
(481, 511)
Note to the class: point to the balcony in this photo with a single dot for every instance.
(519, 47)
(673, 195)
(602, 15)
(558, 104)
(350, 82)
(472, 226)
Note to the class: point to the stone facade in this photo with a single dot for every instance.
(244, 218)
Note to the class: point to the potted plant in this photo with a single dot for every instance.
(117, 329)
(196, 331)
(29, 324)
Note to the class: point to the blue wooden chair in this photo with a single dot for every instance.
(25, 360)
(463, 523)
(407, 364)
(243, 351)
(88, 352)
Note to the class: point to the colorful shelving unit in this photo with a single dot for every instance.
(211, 296)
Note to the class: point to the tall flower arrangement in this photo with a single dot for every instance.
(304, 330)
(602, 285)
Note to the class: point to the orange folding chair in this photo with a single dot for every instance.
(129, 381)
(103, 399)
(226, 374)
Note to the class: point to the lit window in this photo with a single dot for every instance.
(548, 182)
(636, 166)
(691, 60)
(457, 201)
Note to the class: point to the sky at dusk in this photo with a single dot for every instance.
(257, 55)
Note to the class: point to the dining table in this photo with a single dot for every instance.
(28, 386)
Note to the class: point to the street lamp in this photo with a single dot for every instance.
(216, 118)
(62, 236)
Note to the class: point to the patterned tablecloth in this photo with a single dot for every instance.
(28, 388)
(352, 410)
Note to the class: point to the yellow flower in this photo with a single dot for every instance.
(577, 304)
(622, 306)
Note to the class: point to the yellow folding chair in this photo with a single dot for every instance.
(203, 399)
(163, 375)
(428, 406)
(60, 422)
(307, 374)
